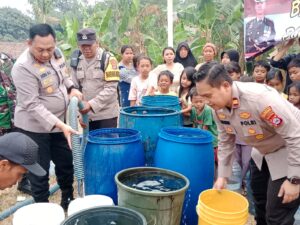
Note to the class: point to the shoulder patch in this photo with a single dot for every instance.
(269, 115)
(112, 72)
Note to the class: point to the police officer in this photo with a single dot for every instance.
(96, 75)
(43, 90)
(260, 31)
(18, 154)
(257, 115)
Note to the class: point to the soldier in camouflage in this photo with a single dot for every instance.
(6, 62)
(7, 94)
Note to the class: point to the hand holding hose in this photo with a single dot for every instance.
(86, 109)
(76, 93)
(67, 130)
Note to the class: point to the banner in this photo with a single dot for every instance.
(268, 22)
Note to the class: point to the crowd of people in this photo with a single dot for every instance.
(254, 118)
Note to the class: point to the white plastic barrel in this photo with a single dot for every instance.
(39, 213)
(89, 201)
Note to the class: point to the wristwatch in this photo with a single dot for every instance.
(294, 180)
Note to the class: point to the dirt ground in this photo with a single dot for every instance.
(8, 198)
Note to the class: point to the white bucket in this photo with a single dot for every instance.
(39, 213)
(89, 201)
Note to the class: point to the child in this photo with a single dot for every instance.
(202, 117)
(294, 94)
(234, 70)
(260, 70)
(139, 84)
(294, 69)
(275, 80)
(186, 84)
(164, 82)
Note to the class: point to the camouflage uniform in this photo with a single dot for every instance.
(6, 63)
(7, 103)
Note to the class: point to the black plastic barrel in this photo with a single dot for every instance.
(111, 215)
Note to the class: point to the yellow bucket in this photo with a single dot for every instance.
(222, 208)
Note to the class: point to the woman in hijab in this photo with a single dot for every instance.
(184, 55)
(231, 55)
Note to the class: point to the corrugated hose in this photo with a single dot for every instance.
(78, 143)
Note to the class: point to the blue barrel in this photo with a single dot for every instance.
(188, 151)
(164, 101)
(124, 88)
(149, 121)
(109, 151)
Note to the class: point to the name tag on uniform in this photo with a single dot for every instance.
(47, 81)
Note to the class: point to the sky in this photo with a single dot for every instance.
(22, 5)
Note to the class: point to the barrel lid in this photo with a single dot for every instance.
(186, 135)
(114, 136)
(160, 100)
(142, 111)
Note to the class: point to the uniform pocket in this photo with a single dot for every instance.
(97, 74)
(47, 81)
(80, 75)
(49, 84)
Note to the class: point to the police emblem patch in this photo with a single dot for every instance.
(251, 131)
(229, 130)
(235, 103)
(276, 121)
(221, 116)
(245, 115)
(259, 136)
(43, 69)
(112, 72)
(114, 63)
(49, 90)
(269, 115)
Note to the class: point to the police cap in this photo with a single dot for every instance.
(86, 36)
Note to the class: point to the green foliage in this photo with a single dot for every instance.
(14, 25)
(41, 8)
(143, 24)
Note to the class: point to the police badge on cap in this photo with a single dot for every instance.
(86, 36)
